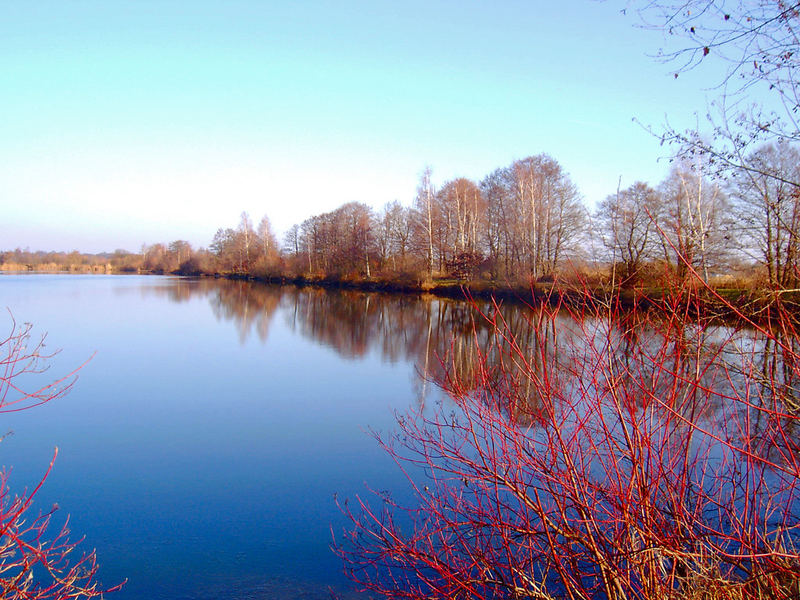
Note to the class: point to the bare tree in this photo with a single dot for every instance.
(769, 209)
(356, 223)
(693, 221)
(499, 239)
(547, 213)
(246, 237)
(463, 210)
(394, 235)
(223, 247)
(424, 205)
(291, 247)
(268, 244)
(181, 250)
(627, 226)
(339, 242)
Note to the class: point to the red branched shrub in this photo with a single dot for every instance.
(624, 453)
(37, 560)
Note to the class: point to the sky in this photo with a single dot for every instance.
(130, 123)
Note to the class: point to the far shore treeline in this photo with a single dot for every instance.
(522, 223)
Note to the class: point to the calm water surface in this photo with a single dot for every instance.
(202, 446)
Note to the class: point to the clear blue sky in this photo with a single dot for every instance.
(125, 123)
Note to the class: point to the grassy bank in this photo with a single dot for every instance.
(721, 303)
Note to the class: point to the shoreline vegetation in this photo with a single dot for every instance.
(522, 232)
(721, 302)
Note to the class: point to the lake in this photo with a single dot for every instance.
(203, 444)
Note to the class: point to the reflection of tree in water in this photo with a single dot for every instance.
(738, 385)
(349, 322)
(514, 357)
(607, 446)
(778, 372)
(683, 424)
(767, 370)
(249, 306)
(512, 351)
(175, 290)
(649, 357)
(504, 353)
(445, 339)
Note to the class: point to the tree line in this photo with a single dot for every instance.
(528, 221)
(523, 222)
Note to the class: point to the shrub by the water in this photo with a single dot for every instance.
(38, 560)
(623, 453)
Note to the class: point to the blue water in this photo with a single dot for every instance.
(202, 445)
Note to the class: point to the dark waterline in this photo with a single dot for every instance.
(202, 446)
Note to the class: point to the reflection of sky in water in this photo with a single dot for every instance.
(194, 456)
(203, 444)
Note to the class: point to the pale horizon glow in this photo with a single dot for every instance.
(132, 123)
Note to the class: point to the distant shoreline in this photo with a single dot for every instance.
(751, 303)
